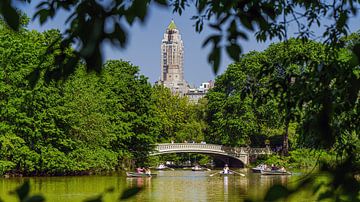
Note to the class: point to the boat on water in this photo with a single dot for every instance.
(161, 167)
(198, 168)
(275, 172)
(134, 174)
(259, 168)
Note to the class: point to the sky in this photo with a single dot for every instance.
(144, 41)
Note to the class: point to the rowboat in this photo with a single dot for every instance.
(197, 168)
(133, 174)
(161, 167)
(275, 172)
(259, 168)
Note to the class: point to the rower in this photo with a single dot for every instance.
(226, 169)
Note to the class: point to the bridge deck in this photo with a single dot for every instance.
(209, 147)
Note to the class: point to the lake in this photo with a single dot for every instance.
(176, 185)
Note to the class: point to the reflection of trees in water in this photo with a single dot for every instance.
(243, 184)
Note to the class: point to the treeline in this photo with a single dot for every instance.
(303, 93)
(89, 122)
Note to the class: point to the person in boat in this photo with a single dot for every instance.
(273, 167)
(282, 169)
(226, 169)
(140, 170)
(147, 171)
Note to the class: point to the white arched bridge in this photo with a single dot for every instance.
(242, 154)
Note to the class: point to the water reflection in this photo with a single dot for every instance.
(144, 182)
(226, 184)
(178, 185)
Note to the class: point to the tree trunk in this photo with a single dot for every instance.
(285, 149)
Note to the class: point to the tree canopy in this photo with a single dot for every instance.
(87, 123)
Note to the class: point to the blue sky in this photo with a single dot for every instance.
(144, 40)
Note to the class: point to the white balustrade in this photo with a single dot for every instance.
(232, 151)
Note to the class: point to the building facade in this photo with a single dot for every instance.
(172, 67)
(194, 94)
(172, 61)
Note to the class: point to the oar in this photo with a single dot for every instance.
(243, 175)
(214, 174)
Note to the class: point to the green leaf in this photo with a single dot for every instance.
(35, 198)
(43, 15)
(162, 2)
(276, 192)
(247, 23)
(96, 199)
(11, 16)
(234, 51)
(325, 195)
(130, 193)
(214, 38)
(214, 59)
(23, 191)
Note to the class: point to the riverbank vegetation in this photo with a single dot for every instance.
(305, 91)
(87, 123)
(302, 158)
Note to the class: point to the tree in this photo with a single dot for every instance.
(178, 119)
(86, 123)
(234, 117)
(299, 82)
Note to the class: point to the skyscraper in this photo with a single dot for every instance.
(172, 61)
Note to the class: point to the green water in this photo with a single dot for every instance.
(178, 185)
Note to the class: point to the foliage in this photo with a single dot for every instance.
(88, 123)
(178, 119)
(312, 86)
(300, 158)
(320, 91)
(234, 117)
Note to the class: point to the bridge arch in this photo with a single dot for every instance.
(241, 154)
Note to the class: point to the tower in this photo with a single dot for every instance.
(172, 60)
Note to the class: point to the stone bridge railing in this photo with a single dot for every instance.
(235, 151)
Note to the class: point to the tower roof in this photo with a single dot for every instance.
(172, 25)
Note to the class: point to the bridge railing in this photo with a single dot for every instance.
(234, 151)
(265, 150)
(187, 146)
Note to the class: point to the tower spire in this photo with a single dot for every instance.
(172, 25)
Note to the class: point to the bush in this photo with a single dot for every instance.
(6, 166)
